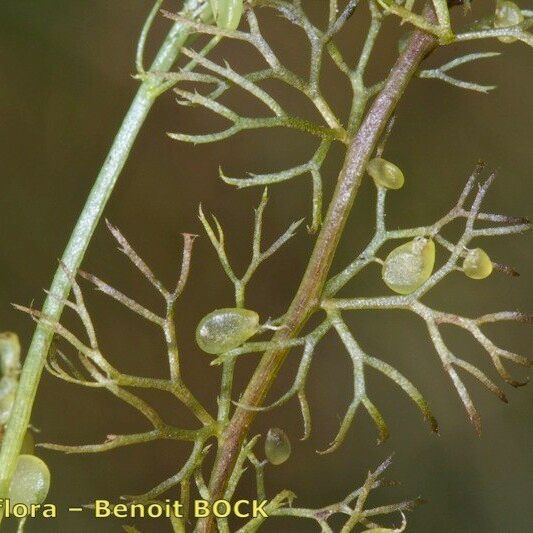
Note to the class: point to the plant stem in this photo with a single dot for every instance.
(308, 295)
(79, 241)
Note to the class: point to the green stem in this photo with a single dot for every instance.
(79, 241)
(224, 401)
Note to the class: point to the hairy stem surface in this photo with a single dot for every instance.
(307, 297)
(78, 243)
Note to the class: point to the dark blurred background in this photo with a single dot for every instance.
(66, 83)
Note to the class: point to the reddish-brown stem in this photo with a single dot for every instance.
(306, 301)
